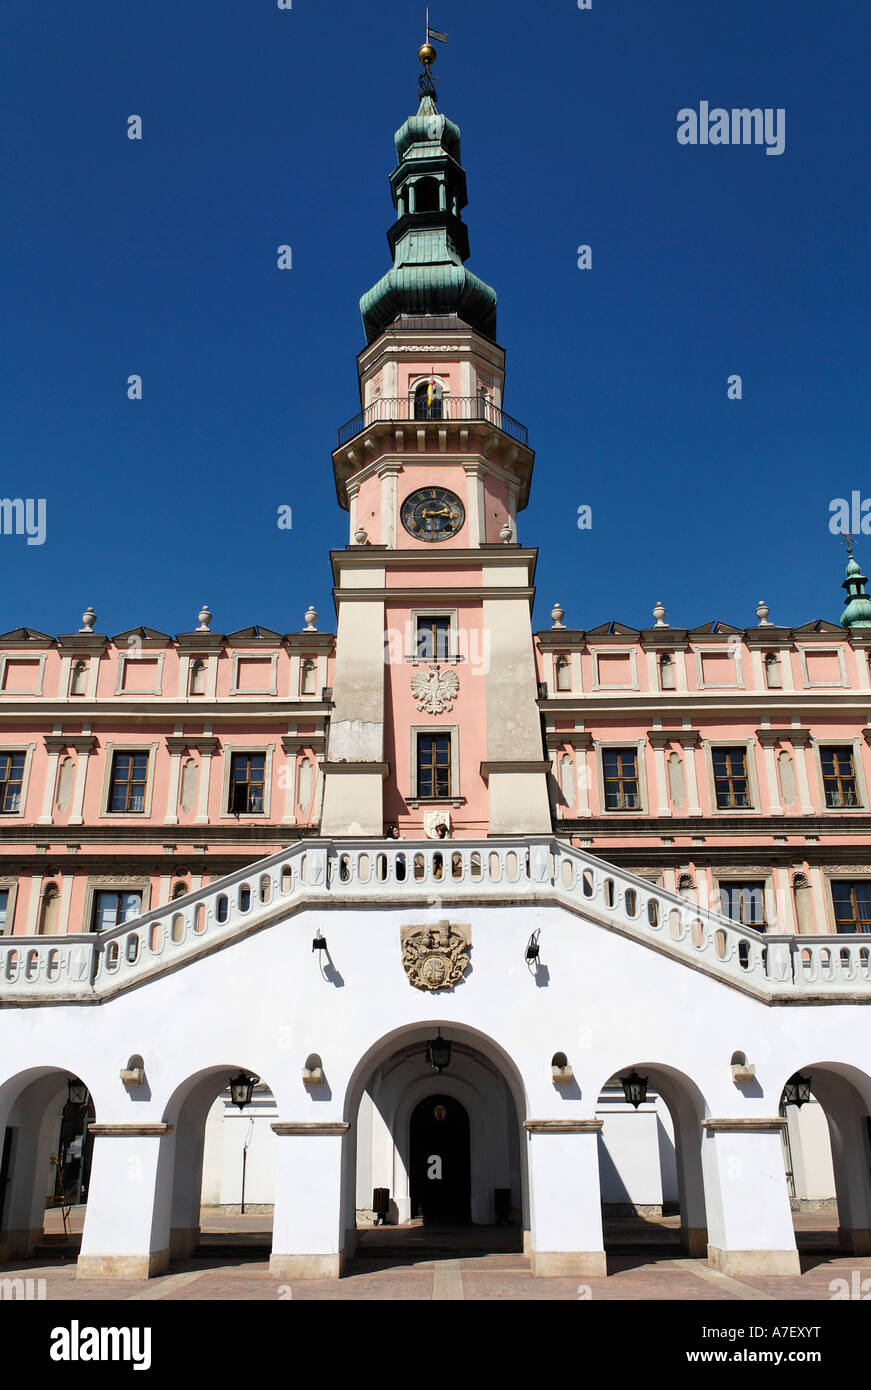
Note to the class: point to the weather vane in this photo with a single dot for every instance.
(847, 540)
(427, 84)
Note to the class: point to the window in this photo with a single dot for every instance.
(852, 904)
(307, 676)
(433, 765)
(563, 673)
(839, 777)
(620, 770)
(428, 401)
(115, 906)
(5, 923)
(666, 672)
(197, 680)
(773, 674)
(129, 778)
(730, 778)
(11, 779)
(744, 903)
(426, 195)
(247, 774)
(433, 638)
(79, 678)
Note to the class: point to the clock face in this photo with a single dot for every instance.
(432, 514)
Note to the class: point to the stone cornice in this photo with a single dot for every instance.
(836, 823)
(130, 1131)
(513, 765)
(563, 1126)
(381, 768)
(746, 1126)
(311, 1127)
(659, 738)
(160, 709)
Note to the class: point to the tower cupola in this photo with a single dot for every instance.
(429, 241)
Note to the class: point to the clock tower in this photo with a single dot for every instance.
(435, 717)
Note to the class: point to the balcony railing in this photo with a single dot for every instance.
(404, 409)
(319, 875)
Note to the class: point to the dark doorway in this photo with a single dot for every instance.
(441, 1169)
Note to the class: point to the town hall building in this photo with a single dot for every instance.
(435, 916)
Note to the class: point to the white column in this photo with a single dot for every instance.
(288, 772)
(475, 499)
(66, 893)
(657, 742)
(566, 1204)
(353, 493)
(54, 746)
(308, 1230)
(176, 747)
(756, 669)
(389, 505)
(83, 747)
(815, 878)
(689, 742)
(750, 1229)
(582, 741)
(206, 748)
(785, 906)
(800, 739)
(768, 738)
(126, 1234)
(33, 905)
(680, 669)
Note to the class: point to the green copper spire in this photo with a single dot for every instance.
(857, 612)
(429, 241)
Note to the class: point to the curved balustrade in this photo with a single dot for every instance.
(430, 874)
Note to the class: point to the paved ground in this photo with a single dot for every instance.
(418, 1263)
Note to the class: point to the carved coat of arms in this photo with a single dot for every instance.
(434, 690)
(436, 957)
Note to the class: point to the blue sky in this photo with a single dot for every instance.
(262, 127)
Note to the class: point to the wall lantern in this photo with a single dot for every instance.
(78, 1091)
(634, 1088)
(797, 1090)
(241, 1087)
(532, 948)
(438, 1053)
(319, 943)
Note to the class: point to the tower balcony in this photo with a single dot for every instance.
(403, 410)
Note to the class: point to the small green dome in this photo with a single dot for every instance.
(857, 610)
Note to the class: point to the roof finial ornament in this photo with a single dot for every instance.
(847, 540)
(427, 84)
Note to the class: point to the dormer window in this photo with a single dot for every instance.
(666, 672)
(428, 403)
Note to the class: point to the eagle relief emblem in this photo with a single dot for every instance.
(435, 957)
(435, 691)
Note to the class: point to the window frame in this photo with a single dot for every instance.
(414, 618)
(125, 658)
(611, 745)
(95, 887)
(125, 746)
(851, 879)
(740, 882)
(130, 783)
(9, 886)
(264, 750)
(820, 745)
(37, 658)
(749, 746)
(451, 731)
(27, 750)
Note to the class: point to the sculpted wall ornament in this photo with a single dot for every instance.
(434, 690)
(435, 957)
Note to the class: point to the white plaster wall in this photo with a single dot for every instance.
(262, 1003)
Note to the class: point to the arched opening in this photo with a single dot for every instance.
(666, 672)
(428, 401)
(218, 1162)
(650, 1161)
(827, 1156)
(197, 681)
(430, 1148)
(440, 1162)
(426, 195)
(45, 1161)
(79, 678)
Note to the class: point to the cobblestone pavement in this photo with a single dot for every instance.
(476, 1264)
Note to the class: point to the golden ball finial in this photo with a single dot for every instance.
(427, 54)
